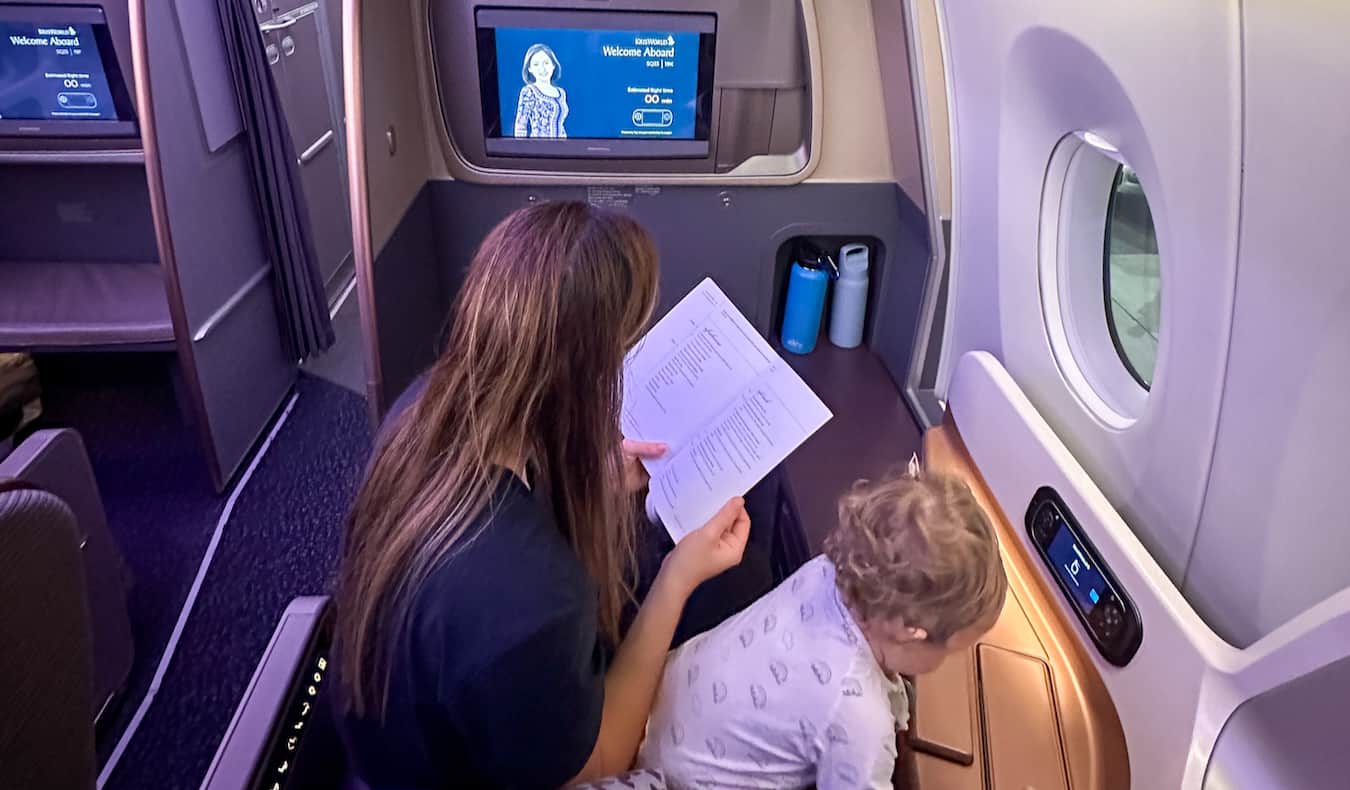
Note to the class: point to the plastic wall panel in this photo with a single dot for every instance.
(1292, 736)
(1273, 539)
(238, 370)
(1026, 73)
(76, 213)
(409, 300)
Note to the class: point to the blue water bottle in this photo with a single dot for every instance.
(810, 277)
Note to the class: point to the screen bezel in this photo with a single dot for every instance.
(124, 125)
(699, 147)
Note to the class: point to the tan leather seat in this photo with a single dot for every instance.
(1026, 706)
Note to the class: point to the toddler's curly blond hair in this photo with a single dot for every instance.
(918, 548)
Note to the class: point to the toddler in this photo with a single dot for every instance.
(803, 687)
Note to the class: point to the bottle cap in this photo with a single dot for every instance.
(809, 256)
(853, 262)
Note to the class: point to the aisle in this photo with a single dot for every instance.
(281, 540)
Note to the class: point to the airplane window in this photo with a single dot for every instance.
(1099, 272)
(1130, 265)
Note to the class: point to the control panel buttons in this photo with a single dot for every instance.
(1107, 619)
(287, 741)
(1043, 525)
(1086, 583)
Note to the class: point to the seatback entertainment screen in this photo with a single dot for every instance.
(580, 83)
(58, 74)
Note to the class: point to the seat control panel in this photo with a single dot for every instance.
(1101, 604)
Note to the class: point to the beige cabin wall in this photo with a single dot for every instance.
(935, 85)
(854, 144)
(390, 72)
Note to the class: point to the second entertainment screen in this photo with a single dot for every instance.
(557, 83)
(51, 70)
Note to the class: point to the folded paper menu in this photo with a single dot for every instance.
(728, 406)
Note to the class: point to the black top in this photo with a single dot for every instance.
(499, 678)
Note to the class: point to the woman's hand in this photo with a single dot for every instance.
(634, 474)
(710, 549)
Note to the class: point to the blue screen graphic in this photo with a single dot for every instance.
(1073, 566)
(52, 72)
(597, 84)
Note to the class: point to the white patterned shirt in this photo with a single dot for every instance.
(785, 694)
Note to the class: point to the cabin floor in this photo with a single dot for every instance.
(345, 363)
(272, 535)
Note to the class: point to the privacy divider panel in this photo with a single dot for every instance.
(234, 358)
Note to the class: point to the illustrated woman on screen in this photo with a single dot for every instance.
(543, 106)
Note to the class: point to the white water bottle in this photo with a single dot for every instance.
(849, 308)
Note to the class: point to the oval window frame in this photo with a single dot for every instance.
(1073, 262)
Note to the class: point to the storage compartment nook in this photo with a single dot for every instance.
(78, 259)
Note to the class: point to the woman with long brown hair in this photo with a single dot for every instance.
(489, 555)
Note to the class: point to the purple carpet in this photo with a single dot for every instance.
(281, 541)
